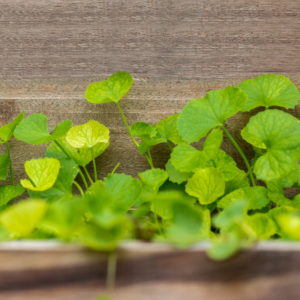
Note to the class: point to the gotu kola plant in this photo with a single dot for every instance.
(201, 194)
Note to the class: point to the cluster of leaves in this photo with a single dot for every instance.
(201, 194)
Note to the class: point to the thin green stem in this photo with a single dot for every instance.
(94, 164)
(127, 126)
(11, 170)
(242, 154)
(150, 159)
(88, 175)
(111, 272)
(80, 172)
(169, 145)
(79, 188)
(157, 224)
(115, 168)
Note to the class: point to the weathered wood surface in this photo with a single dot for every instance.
(154, 272)
(50, 50)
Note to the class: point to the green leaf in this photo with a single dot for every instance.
(224, 163)
(201, 115)
(257, 197)
(207, 185)
(87, 135)
(292, 178)
(110, 90)
(167, 130)
(280, 132)
(4, 165)
(7, 130)
(42, 173)
(23, 217)
(263, 226)
(239, 181)
(124, 191)
(175, 175)
(252, 139)
(269, 90)
(9, 192)
(190, 225)
(186, 158)
(62, 218)
(81, 157)
(62, 188)
(162, 203)
(224, 246)
(151, 181)
(33, 130)
(143, 130)
(105, 239)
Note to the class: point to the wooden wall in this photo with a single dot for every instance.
(176, 50)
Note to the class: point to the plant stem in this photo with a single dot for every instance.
(11, 170)
(150, 159)
(169, 145)
(80, 172)
(94, 164)
(88, 175)
(157, 224)
(127, 126)
(115, 168)
(111, 272)
(79, 188)
(241, 153)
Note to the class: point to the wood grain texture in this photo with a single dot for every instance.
(155, 271)
(50, 50)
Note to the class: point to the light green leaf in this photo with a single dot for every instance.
(23, 217)
(9, 192)
(239, 181)
(33, 130)
(143, 130)
(175, 175)
(62, 188)
(42, 173)
(280, 132)
(269, 90)
(201, 115)
(4, 165)
(124, 191)
(224, 163)
(257, 197)
(224, 246)
(7, 130)
(167, 130)
(87, 135)
(252, 139)
(262, 225)
(288, 224)
(151, 180)
(292, 178)
(186, 158)
(189, 225)
(162, 203)
(81, 157)
(207, 185)
(110, 90)
(105, 239)
(62, 218)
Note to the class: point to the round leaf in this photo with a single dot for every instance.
(201, 115)
(269, 90)
(110, 90)
(33, 130)
(42, 173)
(207, 185)
(87, 135)
(280, 132)
(9, 192)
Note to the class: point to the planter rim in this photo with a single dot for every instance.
(136, 246)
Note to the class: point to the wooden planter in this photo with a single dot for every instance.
(46, 270)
